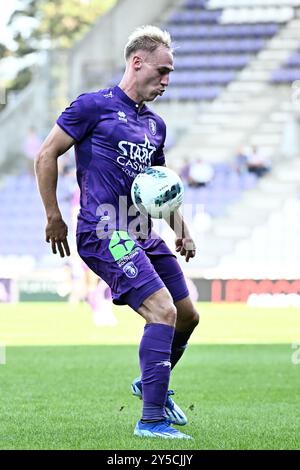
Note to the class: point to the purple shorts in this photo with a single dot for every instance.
(133, 269)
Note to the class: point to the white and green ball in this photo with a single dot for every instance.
(157, 191)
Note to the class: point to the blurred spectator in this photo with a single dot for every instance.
(200, 173)
(32, 144)
(258, 162)
(100, 301)
(86, 286)
(185, 170)
(241, 161)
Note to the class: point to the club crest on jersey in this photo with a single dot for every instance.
(130, 270)
(152, 126)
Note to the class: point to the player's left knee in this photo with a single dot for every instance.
(190, 318)
(194, 318)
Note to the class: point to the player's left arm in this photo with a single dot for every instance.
(184, 242)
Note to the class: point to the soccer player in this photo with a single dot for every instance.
(116, 136)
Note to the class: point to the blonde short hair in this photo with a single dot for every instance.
(147, 38)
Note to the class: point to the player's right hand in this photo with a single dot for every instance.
(56, 233)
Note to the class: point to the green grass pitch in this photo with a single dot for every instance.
(66, 382)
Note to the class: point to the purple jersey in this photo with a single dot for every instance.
(115, 141)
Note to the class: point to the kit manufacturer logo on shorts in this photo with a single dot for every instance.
(130, 270)
(104, 218)
(152, 126)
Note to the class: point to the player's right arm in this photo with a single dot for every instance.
(56, 144)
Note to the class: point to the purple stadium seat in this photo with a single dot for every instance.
(285, 75)
(22, 218)
(191, 93)
(294, 60)
(197, 47)
(233, 181)
(195, 4)
(188, 16)
(289, 71)
(222, 31)
(195, 77)
(236, 61)
(222, 167)
(248, 180)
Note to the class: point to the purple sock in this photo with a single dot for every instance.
(155, 351)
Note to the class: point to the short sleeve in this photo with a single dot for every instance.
(79, 119)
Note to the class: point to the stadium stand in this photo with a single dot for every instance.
(22, 217)
(230, 58)
(290, 70)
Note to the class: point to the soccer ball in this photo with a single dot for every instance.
(157, 191)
